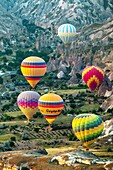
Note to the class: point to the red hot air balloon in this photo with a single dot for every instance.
(92, 76)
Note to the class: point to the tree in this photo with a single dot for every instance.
(24, 136)
(13, 138)
(1, 80)
(8, 51)
(4, 59)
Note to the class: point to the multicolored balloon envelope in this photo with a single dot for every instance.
(33, 68)
(66, 32)
(50, 105)
(92, 76)
(87, 128)
(28, 103)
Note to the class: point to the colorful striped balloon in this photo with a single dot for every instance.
(92, 76)
(28, 103)
(66, 32)
(87, 128)
(50, 105)
(33, 68)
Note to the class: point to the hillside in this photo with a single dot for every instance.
(29, 28)
(44, 13)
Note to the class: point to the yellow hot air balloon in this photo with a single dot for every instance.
(28, 103)
(33, 68)
(50, 105)
(87, 128)
(66, 32)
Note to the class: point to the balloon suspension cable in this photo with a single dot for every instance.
(32, 89)
(50, 127)
(86, 148)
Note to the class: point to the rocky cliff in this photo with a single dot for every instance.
(78, 12)
(47, 13)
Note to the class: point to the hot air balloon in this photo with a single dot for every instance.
(50, 105)
(33, 68)
(87, 128)
(92, 76)
(66, 32)
(28, 103)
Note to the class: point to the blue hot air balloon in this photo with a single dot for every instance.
(67, 32)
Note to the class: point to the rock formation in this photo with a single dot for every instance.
(105, 88)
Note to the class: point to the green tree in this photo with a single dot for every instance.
(8, 51)
(1, 80)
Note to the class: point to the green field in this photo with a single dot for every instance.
(6, 137)
(80, 103)
(69, 91)
(59, 120)
(89, 107)
(14, 114)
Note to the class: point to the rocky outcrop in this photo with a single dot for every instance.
(52, 14)
(107, 104)
(79, 156)
(79, 12)
(105, 88)
(60, 75)
(108, 128)
(107, 136)
(73, 80)
(51, 65)
(8, 22)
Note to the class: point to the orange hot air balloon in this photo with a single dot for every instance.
(33, 68)
(28, 103)
(92, 76)
(50, 105)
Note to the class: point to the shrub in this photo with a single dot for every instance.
(1, 80)
(36, 130)
(24, 136)
(71, 137)
(73, 105)
(21, 117)
(38, 114)
(11, 143)
(94, 111)
(13, 138)
(109, 149)
(6, 146)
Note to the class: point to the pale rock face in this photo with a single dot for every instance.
(105, 86)
(107, 104)
(51, 65)
(60, 75)
(111, 35)
(107, 93)
(45, 12)
(62, 66)
(108, 127)
(110, 76)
